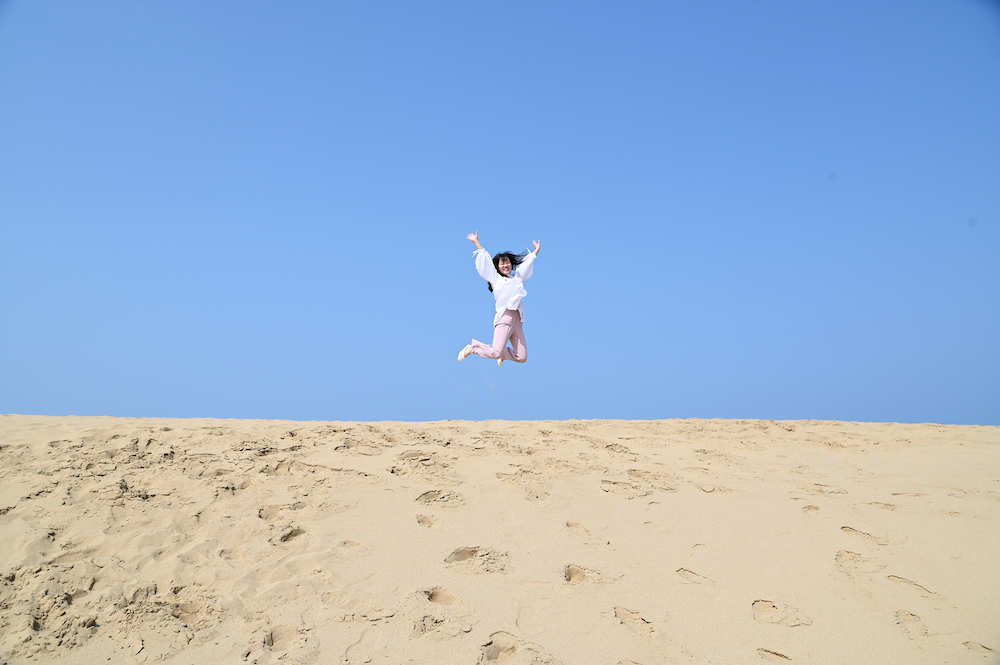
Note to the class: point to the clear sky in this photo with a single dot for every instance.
(747, 209)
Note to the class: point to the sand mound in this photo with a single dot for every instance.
(644, 542)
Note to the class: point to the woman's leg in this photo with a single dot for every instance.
(501, 333)
(519, 347)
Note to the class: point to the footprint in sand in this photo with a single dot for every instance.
(910, 623)
(462, 554)
(867, 536)
(440, 596)
(478, 560)
(709, 489)
(773, 656)
(883, 506)
(427, 520)
(440, 625)
(976, 647)
(445, 498)
(349, 548)
(818, 488)
(280, 638)
(633, 620)
(269, 513)
(437, 611)
(852, 563)
(271, 641)
(575, 574)
(427, 466)
(656, 527)
(768, 611)
(288, 533)
(580, 532)
(924, 591)
(623, 489)
(505, 648)
(691, 577)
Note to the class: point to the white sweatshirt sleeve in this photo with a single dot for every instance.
(485, 267)
(527, 266)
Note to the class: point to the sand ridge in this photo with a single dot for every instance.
(643, 542)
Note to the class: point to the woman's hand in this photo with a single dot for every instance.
(538, 246)
(474, 237)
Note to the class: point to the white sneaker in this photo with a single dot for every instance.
(464, 352)
(499, 362)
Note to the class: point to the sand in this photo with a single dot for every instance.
(574, 542)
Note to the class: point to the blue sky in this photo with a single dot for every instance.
(747, 209)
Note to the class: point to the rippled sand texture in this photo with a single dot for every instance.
(573, 542)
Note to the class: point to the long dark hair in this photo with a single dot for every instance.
(515, 261)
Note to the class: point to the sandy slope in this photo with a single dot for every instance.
(609, 542)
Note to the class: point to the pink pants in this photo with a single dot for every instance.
(507, 328)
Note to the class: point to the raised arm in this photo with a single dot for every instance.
(484, 264)
(474, 237)
(527, 266)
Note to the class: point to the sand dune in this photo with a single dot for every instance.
(572, 542)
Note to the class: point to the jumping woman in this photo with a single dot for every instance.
(505, 273)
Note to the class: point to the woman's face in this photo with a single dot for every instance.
(504, 265)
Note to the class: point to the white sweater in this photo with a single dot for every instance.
(507, 290)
